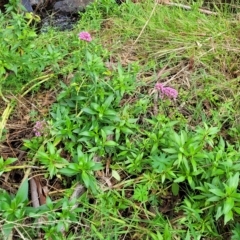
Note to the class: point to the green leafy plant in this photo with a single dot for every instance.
(51, 158)
(224, 196)
(13, 207)
(5, 164)
(20, 59)
(145, 120)
(141, 193)
(83, 167)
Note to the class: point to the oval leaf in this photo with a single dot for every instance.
(116, 175)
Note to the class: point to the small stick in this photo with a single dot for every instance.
(34, 193)
(79, 190)
(145, 25)
(188, 7)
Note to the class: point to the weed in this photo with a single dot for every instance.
(145, 124)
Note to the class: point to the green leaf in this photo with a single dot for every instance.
(159, 236)
(191, 182)
(4, 206)
(170, 150)
(97, 166)
(228, 205)
(167, 233)
(188, 236)
(96, 107)
(92, 184)
(160, 162)
(141, 193)
(110, 143)
(108, 129)
(237, 210)
(22, 193)
(110, 112)
(176, 138)
(163, 178)
(43, 155)
(175, 189)
(213, 130)
(51, 148)
(9, 161)
(217, 192)
(228, 217)
(112, 117)
(7, 229)
(87, 134)
(180, 179)
(104, 135)
(96, 232)
(199, 197)
(79, 151)
(219, 212)
(233, 181)
(85, 179)
(89, 111)
(93, 149)
(117, 134)
(213, 199)
(108, 101)
(68, 172)
(116, 175)
(126, 130)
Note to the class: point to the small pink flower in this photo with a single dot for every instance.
(166, 91)
(39, 128)
(85, 36)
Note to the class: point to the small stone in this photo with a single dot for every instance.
(71, 6)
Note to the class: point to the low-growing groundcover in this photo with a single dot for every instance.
(126, 127)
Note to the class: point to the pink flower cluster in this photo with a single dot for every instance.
(166, 91)
(85, 36)
(38, 128)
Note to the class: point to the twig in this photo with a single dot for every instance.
(146, 23)
(79, 190)
(5, 116)
(36, 200)
(174, 76)
(34, 193)
(20, 234)
(189, 8)
(155, 103)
